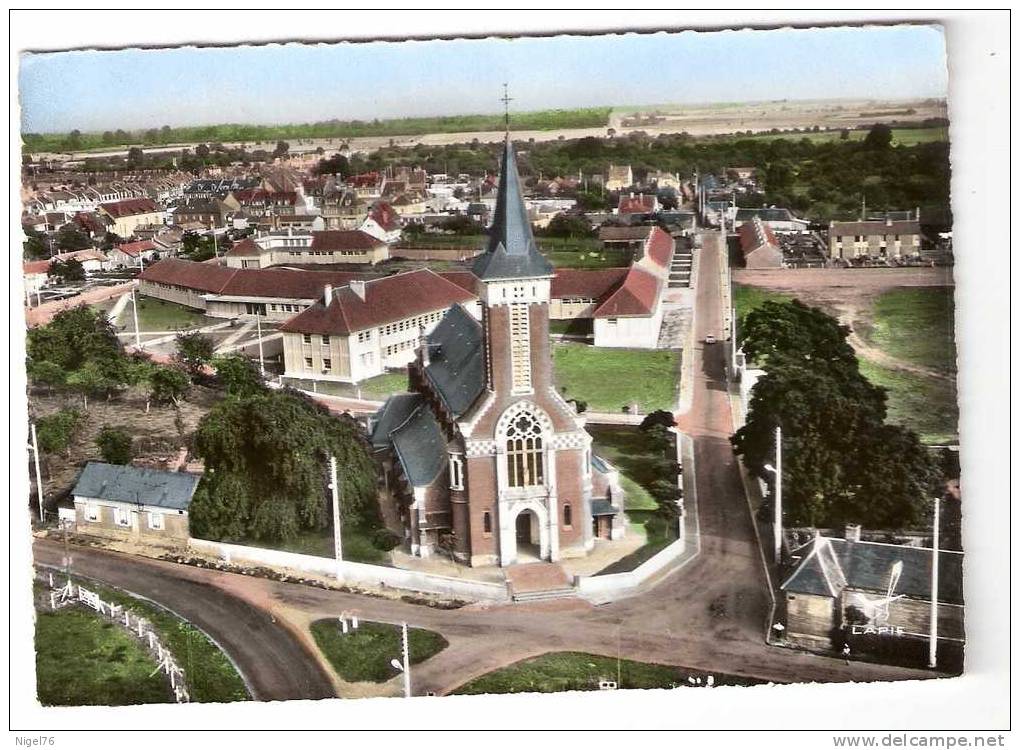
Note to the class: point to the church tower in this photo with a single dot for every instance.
(528, 456)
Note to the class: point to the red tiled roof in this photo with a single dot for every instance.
(367, 179)
(387, 299)
(754, 234)
(201, 277)
(81, 255)
(245, 247)
(384, 215)
(35, 267)
(592, 283)
(659, 247)
(258, 196)
(131, 207)
(245, 282)
(464, 279)
(637, 204)
(636, 296)
(344, 239)
(135, 248)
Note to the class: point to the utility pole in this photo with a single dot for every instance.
(933, 637)
(334, 485)
(258, 326)
(134, 311)
(777, 521)
(407, 661)
(38, 473)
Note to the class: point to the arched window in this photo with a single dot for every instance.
(524, 456)
(568, 516)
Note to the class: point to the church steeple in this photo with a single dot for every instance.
(511, 252)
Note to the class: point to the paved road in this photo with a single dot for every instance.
(710, 615)
(273, 661)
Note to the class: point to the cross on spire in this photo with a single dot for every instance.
(506, 105)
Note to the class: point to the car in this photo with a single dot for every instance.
(710, 339)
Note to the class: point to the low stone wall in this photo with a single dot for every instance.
(359, 574)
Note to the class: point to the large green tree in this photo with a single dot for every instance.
(194, 351)
(841, 462)
(266, 468)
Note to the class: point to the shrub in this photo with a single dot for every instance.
(385, 540)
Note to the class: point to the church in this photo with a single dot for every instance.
(482, 459)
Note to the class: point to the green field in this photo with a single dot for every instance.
(609, 379)
(382, 386)
(901, 136)
(925, 404)
(747, 298)
(356, 541)
(364, 655)
(628, 449)
(915, 325)
(83, 660)
(210, 675)
(552, 119)
(569, 670)
(158, 315)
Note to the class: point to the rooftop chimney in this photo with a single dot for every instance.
(852, 532)
(358, 287)
(327, 294)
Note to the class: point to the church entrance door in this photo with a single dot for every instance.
(528, 537)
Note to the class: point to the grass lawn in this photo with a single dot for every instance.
(925, 404)
(609, 379)
(209, 673)
(629, 450)
(900, 136)
(83, 660)
(747, 298)
(570, 670)
(915, 325)
(158, 315)
(364, 655)
(573, 326)
(382, 386)
(594, 258)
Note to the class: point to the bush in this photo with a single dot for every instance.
(385, 540)
(114, 445)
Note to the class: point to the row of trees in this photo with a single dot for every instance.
(842, 462)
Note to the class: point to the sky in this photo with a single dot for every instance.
(294, 83)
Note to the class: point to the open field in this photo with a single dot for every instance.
(901, 136)
(210, 676)
(902, 330)
(356, 541)
(610, 379)
(159, 315)
(364, 655)
(569, 670)
(83, 660)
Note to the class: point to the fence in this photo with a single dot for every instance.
(361, 574)
(70, 594)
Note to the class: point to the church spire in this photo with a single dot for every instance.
(511, 252)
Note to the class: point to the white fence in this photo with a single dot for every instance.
(360, 574)
(139, 627)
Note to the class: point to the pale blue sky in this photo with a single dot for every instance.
(306, 83)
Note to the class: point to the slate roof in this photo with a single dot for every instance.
(765, 214)
(511, 252)
(601, 507)
(456, 360)
(420, 446)
(130, 484)
(866, 566)
(386, 299)
(392, 414)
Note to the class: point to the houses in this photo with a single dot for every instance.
(741, 173)
(637, 203)
(133, 254)
(877, 240)
(630, 238)
(36, 274)
(301, 247)
(759, 246)
(777, 219)
(126, 215)
(619, 178)
(382, 222)
(869, 588)
(133, 504)
(357, 330)
(210, 213)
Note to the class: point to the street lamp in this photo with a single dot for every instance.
(777, 497)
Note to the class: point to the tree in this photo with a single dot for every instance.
(238, 375)
(194, 351)
(68, 271)
(54, 432)
(34, 248)
(91, 380)
(201, 151)
(73, 141)
(114, 445)
(168, 385)
(569, 225)
(69, 238)
(266, 456)
(879, 138)
(282, 147)
(794, 330)
(46, 373)
(658, 417)
(135, 157)
(74, 337)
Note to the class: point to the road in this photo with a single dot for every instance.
(710, 615)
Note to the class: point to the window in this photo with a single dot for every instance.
(568, 516)
(325, 340)
(611, 321)
(524, 455)
(307, 338)
(364, 336)
(327, 364)
(487, 522)
(91, 512)
(456, 472)
(121, 517)
(308, 362)
(156, 521)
